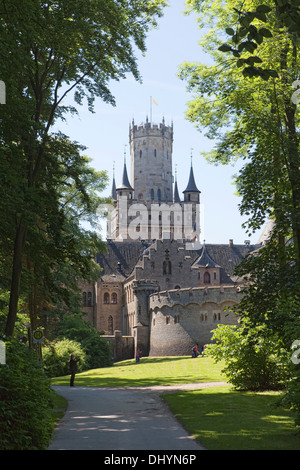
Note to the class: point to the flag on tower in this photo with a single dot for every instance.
(154, 101)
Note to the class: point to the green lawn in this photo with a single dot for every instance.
(219, 417)
(150, 371)
(222, 419)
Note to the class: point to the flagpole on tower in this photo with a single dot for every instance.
(152, 100)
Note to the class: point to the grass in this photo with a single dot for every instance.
(218, 417)
(59, 404)
(150, 371)
(222, 419)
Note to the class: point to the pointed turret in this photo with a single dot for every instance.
(205, 260)
(176, 197)
(191, 193)
(125, 188)
(113, 189)
(125, 181)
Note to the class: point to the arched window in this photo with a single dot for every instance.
(159, 195)
(110, 325)
(106, 298)
(114, 298)
(152, 194)
(155, 152)
(89, 299)
(206, 278)
(167, 267)
(141, 153)
(84, 299)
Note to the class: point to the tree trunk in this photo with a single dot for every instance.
(16, 277)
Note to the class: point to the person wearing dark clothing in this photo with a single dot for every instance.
(138, 355)
(195, 352)
(73, 369)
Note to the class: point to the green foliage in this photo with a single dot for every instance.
(272, 291)
(291, 397)
(248, 22)
(97, 350)
(56, 356)
(25, 420)
(49, 50)
(254, 359)
(245, 101)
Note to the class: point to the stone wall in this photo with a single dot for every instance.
(179, 319)
(122, 347)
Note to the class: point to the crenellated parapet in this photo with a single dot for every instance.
(196, 295)
(150, 129)
(179, 319)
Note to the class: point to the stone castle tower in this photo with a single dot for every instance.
(159, 290)
(149, 207)
(151, 161)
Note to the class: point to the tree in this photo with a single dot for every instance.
(246, 36)
(253, 119)
(254, 358)
(47, 50)
(60, 252)
(245, 99)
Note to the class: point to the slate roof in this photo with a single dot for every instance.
(205, 260)
(191, 187)
(125, 181)
(122, 257)
(176, 193)
(113, 190)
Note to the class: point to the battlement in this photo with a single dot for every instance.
(198, 295)
(149, 129)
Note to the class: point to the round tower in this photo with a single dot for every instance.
(151, 161)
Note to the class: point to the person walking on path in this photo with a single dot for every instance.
(73, 368)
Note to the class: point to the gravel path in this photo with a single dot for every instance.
(124, 418)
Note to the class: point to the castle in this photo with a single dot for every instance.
(160, 290)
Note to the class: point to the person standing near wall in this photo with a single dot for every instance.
(73, 368)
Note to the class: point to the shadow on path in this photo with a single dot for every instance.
(121, 419)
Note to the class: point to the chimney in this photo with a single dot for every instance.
(230, 242)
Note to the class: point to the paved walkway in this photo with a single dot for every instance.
(133, 418)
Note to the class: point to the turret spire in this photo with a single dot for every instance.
(113, 189)
(125, 181)
(191, 187)
(176, 193)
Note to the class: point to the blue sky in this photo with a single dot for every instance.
(105, 133)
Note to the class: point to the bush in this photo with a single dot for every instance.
(97, 349)
(56, 356)
(25, 401)
(254, 359)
